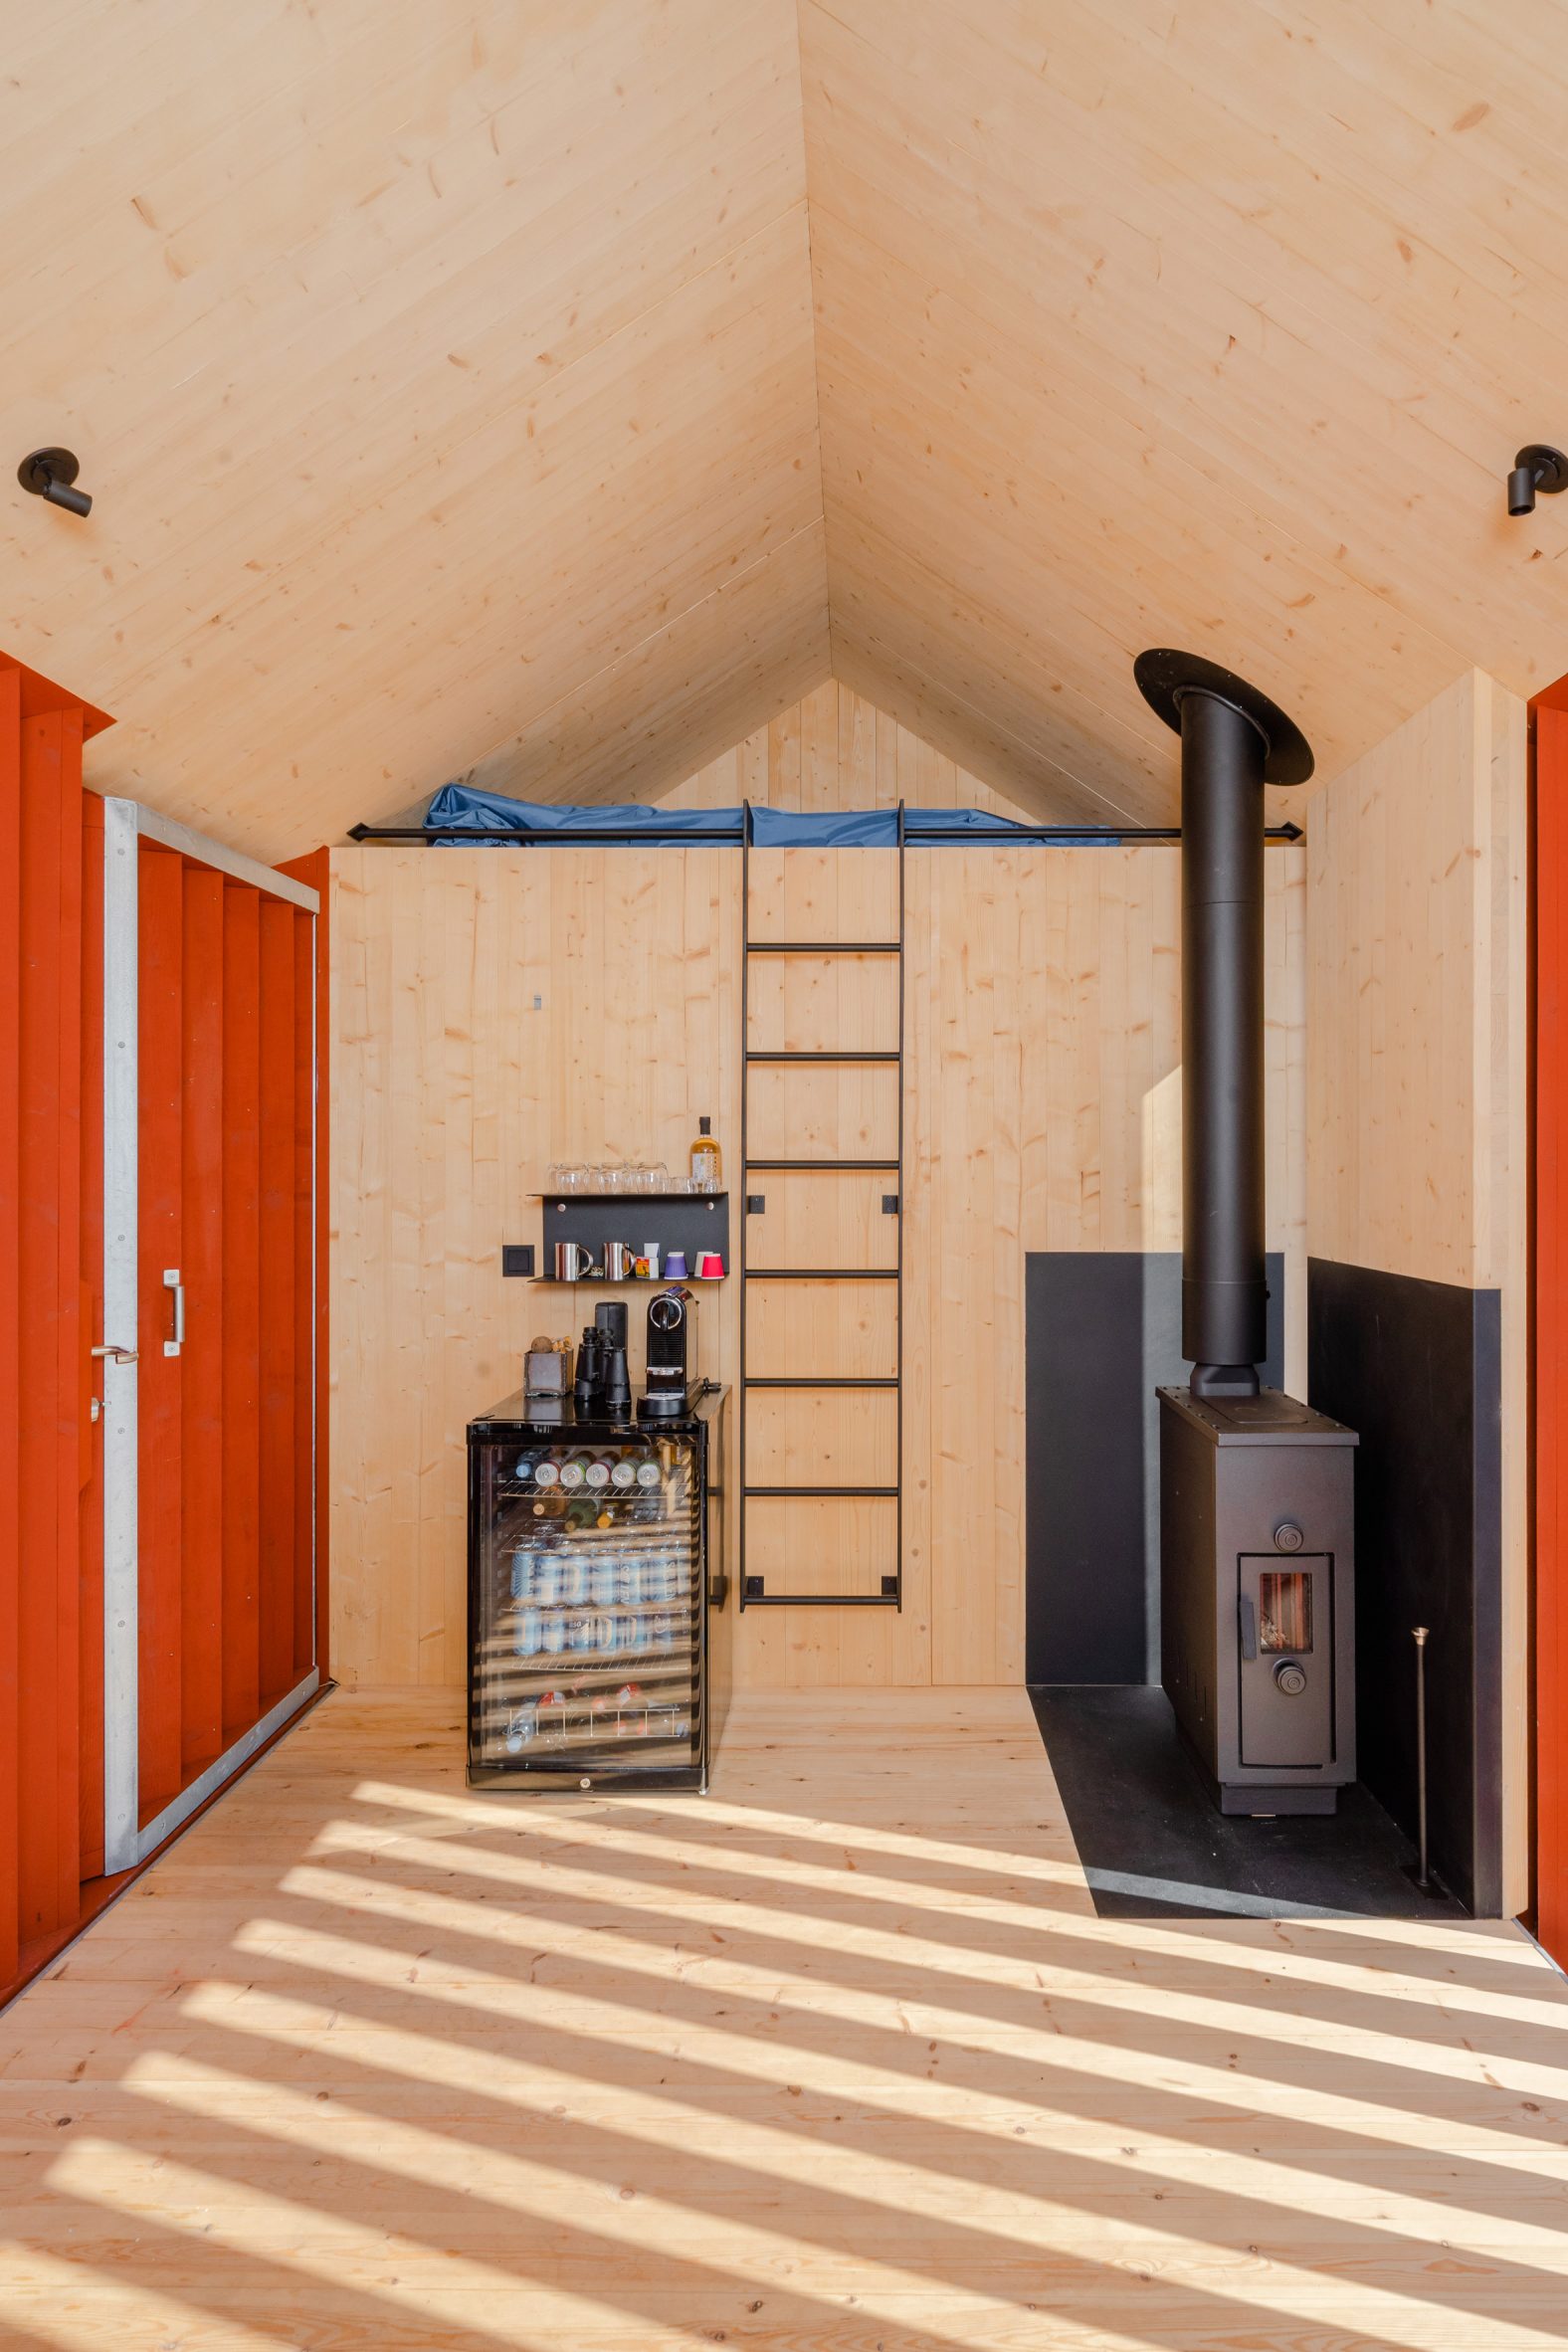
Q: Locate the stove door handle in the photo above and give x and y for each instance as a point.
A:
(1248, 1625)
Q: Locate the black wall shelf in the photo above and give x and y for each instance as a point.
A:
(694, 1223)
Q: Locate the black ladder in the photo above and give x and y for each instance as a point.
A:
(752, 1591)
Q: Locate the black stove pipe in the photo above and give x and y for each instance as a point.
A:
(1223, 1295)
(1232, 741)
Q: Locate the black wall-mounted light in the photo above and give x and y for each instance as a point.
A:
(1536, 468)
(48, 473)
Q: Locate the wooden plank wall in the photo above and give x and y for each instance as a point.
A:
(496, 1011)
(835, 750)
(1416, 1096)
(493, 1013)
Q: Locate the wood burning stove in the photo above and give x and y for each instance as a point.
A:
(1256, 1520)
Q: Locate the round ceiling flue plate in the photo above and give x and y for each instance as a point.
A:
(1164, 674)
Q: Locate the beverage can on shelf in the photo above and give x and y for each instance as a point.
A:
(623, 1471)
(522, 1573)
(527, 1636)
(648, 1472)
(554, 1632)
(603, 1580)
(546, 1470)
(574, 1577)
(547, 1578)
(629, 1583)
(597, 1472)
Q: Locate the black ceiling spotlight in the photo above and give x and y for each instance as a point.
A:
(48, 473)
(1536, 468)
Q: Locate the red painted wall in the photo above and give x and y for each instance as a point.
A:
(1550, 1226)
(50, 1227)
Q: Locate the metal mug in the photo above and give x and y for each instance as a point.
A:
(619, 1261)
(571, 1262)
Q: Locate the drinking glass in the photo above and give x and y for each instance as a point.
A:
(658, 1177)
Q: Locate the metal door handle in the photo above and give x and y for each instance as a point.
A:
(1248, 1623)
(171, 1281)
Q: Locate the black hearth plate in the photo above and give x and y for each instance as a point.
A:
(1152, 1845)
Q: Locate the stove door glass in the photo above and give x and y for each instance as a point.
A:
(1287, 1686)
(1284, 1609)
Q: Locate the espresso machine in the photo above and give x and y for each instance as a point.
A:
(671, 1353)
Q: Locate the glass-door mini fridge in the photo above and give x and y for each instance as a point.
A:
(598, 1604)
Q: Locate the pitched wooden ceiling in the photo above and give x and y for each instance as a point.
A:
(556, 392)
(443, 375)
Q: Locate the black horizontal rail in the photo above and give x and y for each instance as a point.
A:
(805, 1380)
(822, 1601)
(818, 1491)
(823, 1167)
(822, 948)
(577, 836)
(779, 1054)
(818, 1274)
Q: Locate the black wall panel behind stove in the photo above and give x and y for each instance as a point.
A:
(1103, 1331)
(1416, 1368)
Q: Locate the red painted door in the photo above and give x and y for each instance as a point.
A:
(158, 1318)
(211, 1431)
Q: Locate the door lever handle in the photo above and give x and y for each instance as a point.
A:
(171, 1281)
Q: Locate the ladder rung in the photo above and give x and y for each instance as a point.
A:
(823, 947)
(831, 1167)
(890, 1493)
(777, 1055)
(821, 1601)
(818, 1274)
(822, 1380)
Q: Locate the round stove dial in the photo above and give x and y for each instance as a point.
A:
(1290, 1677)
(1287, 1537)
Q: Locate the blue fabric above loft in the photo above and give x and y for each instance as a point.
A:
(491, 817)
(464, 809)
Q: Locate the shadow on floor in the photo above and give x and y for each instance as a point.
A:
(1153, 1845)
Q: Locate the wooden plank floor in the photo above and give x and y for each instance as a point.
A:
(839, 2057)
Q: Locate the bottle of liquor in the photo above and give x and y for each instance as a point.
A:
(707, 1167)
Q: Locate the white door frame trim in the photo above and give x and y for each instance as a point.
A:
(126, 1841)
